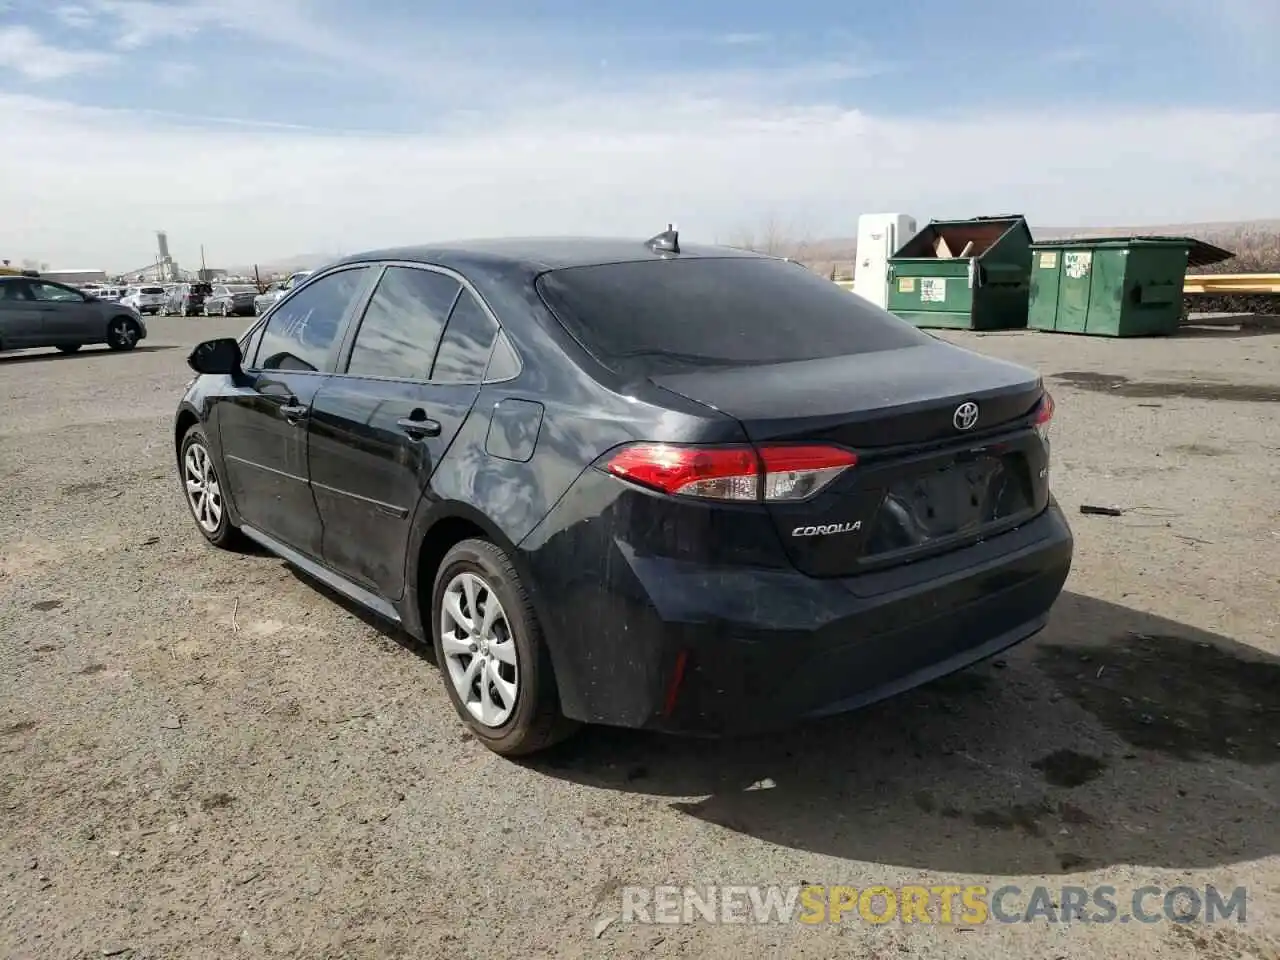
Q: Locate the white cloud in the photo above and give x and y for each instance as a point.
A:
(88, 186)
(175, 74)
(742, 39)
(25, 52)
(138, 23)
(292, 23)
(76, 16)
(1072, 55)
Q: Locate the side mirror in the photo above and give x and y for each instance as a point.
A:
(216, 356)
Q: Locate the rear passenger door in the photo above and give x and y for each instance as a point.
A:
(408, 376)
(19, 315)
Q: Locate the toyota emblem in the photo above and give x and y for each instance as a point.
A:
(966, 415)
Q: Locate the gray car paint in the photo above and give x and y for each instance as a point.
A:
(27, 321)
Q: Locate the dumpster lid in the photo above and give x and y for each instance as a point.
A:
(1199, 253)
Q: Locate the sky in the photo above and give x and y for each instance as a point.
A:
(265, 129)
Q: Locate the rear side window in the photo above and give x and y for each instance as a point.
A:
(468, 340)
(14, 290)
(660, 315)
(402, 324)
(300, 334)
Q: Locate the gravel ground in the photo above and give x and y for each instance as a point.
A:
(203, 755)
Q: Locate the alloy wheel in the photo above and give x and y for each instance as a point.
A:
(480, 653)
(204, 493)
(124, 333)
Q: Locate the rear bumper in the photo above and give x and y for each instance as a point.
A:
(685, 648)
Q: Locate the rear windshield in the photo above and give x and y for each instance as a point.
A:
(652, 316)
(153, 289)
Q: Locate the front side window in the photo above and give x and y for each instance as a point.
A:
(51, 292)
(467, 343)
(303, 329)
(249, 341)
(402, 324)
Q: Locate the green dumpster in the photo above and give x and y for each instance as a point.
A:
(1113, 286)
(964, 274)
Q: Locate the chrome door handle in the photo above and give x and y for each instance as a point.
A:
(293, 412)
(419, 428)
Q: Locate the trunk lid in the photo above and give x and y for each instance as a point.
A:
(926, 481)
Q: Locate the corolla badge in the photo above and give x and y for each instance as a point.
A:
(966, 415)
(822, 529)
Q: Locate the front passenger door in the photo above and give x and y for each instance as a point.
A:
(66, 317)
(263, 420)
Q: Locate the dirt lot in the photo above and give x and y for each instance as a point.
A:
(201, 755)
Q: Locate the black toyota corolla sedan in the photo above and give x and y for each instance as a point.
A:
(683, 488)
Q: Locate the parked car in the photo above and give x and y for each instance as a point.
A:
(145, 299)
(41, 313)
(187, 299)
(231, 300)
(264, 301)
(267, 298)
(112, 294)
(690, 489)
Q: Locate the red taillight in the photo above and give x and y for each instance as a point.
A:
(722, 473)
(1044, 415)
(732, 473)
(1044, 412)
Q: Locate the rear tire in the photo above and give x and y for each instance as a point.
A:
(123, 333)
(69, 347)
(484, 668)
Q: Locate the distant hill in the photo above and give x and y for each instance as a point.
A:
(1197, 230)
(287, 265)
(1256, 244)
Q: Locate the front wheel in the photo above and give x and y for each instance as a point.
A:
(123, 333)
(491, 654)
(204, 491)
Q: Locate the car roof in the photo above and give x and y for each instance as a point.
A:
(539, 254)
